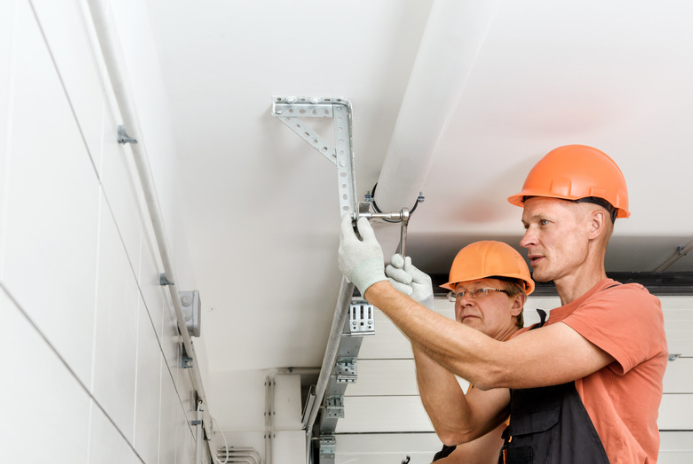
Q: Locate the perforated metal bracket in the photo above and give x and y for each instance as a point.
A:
(292, 110)
(345, 370)
(328, 447)
(361, 320)
(334, 406)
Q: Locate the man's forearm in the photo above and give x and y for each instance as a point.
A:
(442, 398)
(460, 349)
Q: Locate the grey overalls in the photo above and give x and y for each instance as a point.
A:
(550, 425)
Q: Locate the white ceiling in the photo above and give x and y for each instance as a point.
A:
(262, 206)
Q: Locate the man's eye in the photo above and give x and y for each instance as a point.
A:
(543, 222)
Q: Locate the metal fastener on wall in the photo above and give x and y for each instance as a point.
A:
(123, 136)
(345, 370)
(361, 320)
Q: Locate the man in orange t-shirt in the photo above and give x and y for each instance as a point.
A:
(586, 386)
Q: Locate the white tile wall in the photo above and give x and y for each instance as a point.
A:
(115, 346)
(152, 291)
(49, 257)
(167, 418)
(45, 409)
(120, 189)
(68, 40)
(91, 332)
(6, 19)
(148, 389)
(107, 445)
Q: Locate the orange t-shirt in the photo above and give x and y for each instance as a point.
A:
(623, 398)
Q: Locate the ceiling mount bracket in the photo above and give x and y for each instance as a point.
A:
(291, 110)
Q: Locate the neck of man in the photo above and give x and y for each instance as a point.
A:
(572, 286)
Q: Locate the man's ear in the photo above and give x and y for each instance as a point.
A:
(518, 304)
(597, 223)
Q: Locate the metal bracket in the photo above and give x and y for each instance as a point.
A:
(345, 370)
(187, 362)
(334, 406)
(290, 110)
(361, 320)
(123, 136)
(163, 280)
(328, 447)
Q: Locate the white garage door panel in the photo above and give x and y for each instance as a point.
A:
(387, 343)
(386, 448)
(384, 414)
(394, 377)
(391, 377)
(678, 377)
(675, 412)
(675, 448)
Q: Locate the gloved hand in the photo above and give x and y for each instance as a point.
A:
(401, 269)
(398, 277)
(361, 261)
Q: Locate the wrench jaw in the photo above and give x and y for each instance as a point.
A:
(401, 217)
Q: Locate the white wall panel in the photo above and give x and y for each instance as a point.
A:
(171, 343)
(120, 188)
(386, 448)
(40, 397)
(375, 377)
(151, 289)
(675, 412)
(384, 414)
(115, 348)
(676, 447)
(6, 19)
(287, 402)
(167, 420)
(107, 445)
(678, 323)
(131, 20)
(239, 412)
(51, 215)
(70, 252)
(678, 377)
(182, 435)
(387, 343)
(148, 393)
(67, 37)
(289, 447)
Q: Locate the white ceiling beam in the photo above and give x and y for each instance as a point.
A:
(454, 34)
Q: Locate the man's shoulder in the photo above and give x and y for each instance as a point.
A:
(612, 290)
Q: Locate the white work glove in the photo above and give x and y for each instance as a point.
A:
(403, 274)
(361, 261)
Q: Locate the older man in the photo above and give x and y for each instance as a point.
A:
(490, 282)
(586, 386)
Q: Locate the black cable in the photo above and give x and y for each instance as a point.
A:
(377, 210)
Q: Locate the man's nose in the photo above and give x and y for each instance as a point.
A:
(528, 238)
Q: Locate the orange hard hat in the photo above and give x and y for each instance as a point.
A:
(577, 172)
(489, 258)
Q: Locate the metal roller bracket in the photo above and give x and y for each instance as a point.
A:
(291, 110)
